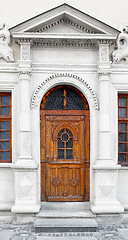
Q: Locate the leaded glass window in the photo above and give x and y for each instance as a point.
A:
(64, 98)
(65, 144)
(55, 100)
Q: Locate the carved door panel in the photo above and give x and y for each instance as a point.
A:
(65, 157)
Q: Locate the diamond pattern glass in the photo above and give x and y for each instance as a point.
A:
(64, 98)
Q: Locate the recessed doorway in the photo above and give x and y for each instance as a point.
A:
(65, 145)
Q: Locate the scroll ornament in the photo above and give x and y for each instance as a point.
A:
(122, 47)
(6, 52)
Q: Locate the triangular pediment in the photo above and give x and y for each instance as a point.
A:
(64, 19)
(62, 26)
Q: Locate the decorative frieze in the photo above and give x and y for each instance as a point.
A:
(63, 42)
(6, 52)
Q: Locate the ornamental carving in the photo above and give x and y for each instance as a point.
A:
(74, 182)
(106, 187)
(6, 52)
(89, 91)
(106, 190)
(104, 53)
(25, 185)
(63, 42)
(25, 51)
(121, 53)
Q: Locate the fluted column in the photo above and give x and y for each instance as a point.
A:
(25, 168)
(105, 170)
(24, 128)
(104, 72)
(24, 97)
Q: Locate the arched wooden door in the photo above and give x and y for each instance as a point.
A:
(65, 147)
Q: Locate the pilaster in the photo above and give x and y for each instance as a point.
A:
(25, 168)
(105, 169)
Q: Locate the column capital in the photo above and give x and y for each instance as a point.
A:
(24, 67)
(104, 72)
(24, 71)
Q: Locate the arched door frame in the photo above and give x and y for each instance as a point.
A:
(88, 93)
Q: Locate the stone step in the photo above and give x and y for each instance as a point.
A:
(65, 210)
(65, 214)
(49, 225)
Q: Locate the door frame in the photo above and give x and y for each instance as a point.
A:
(85, 113)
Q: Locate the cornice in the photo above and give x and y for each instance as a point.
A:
(8, 67)
(119, 68)
(64, 39)
(85, 68)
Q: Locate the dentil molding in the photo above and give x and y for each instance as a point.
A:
(40, 87)
(67, 21)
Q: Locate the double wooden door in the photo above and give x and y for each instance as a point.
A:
(65, 155)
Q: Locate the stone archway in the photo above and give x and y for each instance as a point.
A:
(64, 78)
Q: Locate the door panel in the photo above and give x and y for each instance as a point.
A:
(65, 156)
(64, 182)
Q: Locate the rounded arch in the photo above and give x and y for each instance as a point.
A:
(60, 79)
(60, 127)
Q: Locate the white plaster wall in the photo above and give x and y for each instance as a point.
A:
(123, 187)
(64, 55)
(119, 80)
(6, 188)
(8, 82)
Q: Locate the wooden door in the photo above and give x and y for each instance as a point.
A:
(65, 155)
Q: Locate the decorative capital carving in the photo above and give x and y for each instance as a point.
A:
(121, 53)
(25, 67)
(25, 49)
(25, 52)
(25, 71)
(6, 52)
(104, 52)
(104, 72)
